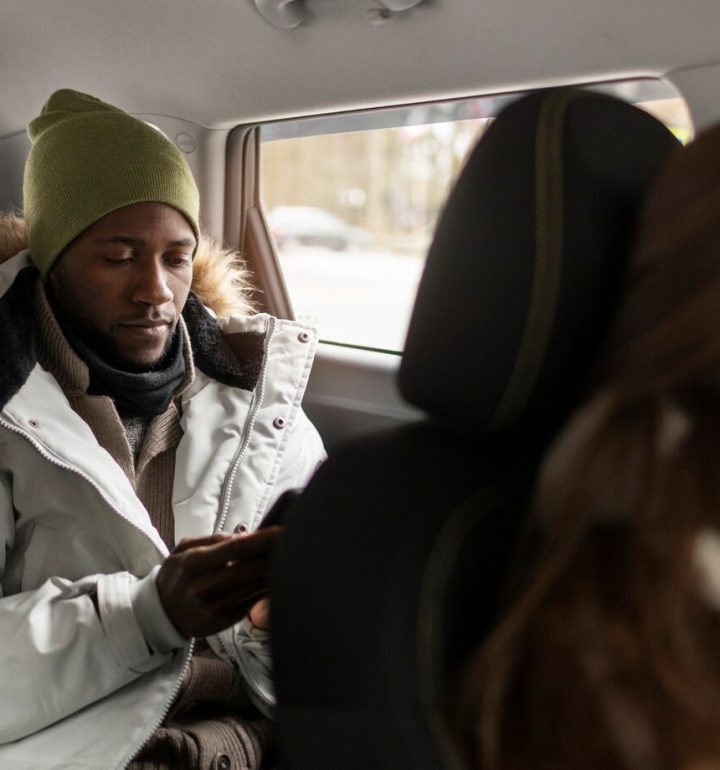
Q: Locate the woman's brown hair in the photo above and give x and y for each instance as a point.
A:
(610, 655)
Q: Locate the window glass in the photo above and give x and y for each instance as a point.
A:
(352, 201)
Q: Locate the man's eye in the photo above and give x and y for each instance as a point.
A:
(180, 260)
(118, 260)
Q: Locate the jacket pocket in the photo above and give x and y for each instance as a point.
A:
(36, 554)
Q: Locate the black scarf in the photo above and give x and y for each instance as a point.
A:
(136, 394)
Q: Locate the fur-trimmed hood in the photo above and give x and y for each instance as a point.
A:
(220, 279)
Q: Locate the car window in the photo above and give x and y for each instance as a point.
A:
(352, 200)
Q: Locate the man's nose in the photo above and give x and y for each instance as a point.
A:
(151, 286)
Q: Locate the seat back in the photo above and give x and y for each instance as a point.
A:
(391, 570)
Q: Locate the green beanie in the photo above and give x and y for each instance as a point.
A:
(89, 158)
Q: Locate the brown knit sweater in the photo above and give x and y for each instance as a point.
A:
(212, 724)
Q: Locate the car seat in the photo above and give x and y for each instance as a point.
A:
(392, 567)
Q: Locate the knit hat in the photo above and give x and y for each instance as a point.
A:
(89, 158)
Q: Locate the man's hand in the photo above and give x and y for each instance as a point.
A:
(260, 614)
(207, 584)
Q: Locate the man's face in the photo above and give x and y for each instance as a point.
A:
(124, 281)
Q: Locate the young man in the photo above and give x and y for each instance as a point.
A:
(141, 440)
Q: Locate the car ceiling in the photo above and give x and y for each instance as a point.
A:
(219, 63)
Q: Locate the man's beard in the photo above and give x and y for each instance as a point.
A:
(105, 346)
(102, 343)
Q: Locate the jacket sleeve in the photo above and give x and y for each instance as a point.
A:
(65, 644)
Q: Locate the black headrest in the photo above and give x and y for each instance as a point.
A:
(525, 263)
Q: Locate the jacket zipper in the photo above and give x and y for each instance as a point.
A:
(242, 450)
(165, 710)
(186, 664)
(240, 454)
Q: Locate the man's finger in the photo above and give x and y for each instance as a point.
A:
(232, 548)
(260, 614)
(195, 542)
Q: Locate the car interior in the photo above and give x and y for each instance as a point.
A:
(447, 191)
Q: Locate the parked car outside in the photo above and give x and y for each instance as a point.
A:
(312, 226)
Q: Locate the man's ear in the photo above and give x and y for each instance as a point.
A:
(52, 273)
(53, 279)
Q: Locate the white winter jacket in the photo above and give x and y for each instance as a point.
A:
(80, 688)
